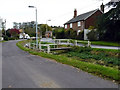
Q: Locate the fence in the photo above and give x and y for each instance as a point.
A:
(33, 46)
(56, 43)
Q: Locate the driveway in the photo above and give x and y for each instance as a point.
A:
(23, 70)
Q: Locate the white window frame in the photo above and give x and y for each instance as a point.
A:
(79, 24)
(65, 26)
(70, 25)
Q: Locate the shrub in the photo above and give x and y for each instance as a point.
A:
(92, 35)
(59, 33)
(13, 38)
(81, 49)
(80, 36)
(6, 38)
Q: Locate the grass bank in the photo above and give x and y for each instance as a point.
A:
(99, 70)
(103, 43)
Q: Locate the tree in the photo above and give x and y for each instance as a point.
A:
(59, 33)
(108, 25)
(30, 31)
(43, 28)
(92, 35)
(14, 33)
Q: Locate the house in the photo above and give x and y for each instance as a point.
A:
(23, 35)
(83, 21)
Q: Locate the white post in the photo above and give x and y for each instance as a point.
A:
(67, 41)
(75, 42)
(29, 46)
(89, 44)
(40, 46)
(59, 42)
(48, 49)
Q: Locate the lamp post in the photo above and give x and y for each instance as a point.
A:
(46, 24)
(36, 25)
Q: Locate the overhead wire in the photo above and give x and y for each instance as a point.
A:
(83, 8)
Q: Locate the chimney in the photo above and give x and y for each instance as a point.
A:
(102, 8)
(75, 13)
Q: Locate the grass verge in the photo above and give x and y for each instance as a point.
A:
(2, 41)
(103, 43)
(102, 71)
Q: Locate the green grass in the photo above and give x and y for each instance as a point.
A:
(108, 58)
(103, 43)
(2, 41)
(114, 61)
(105, 72)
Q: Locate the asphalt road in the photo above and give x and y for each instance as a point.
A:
(22, 70)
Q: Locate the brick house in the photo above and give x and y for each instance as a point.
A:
(83, 21)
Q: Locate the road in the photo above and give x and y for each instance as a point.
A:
(22, 70)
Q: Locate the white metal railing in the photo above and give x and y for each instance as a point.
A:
(56, 43)
(33, 46)
(75, 42)
(59, 41)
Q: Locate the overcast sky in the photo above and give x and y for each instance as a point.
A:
(59, 11)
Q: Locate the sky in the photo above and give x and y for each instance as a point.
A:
(58, 11)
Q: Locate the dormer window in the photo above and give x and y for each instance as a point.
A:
(71, 25)
(79, 23)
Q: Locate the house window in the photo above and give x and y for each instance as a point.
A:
(79, 23)
(65, 26)
(71, 25)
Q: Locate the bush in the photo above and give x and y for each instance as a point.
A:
(6, 38)
(59, 33)
(81, 49)
(80, 36)
(93, 35)
(13, 38)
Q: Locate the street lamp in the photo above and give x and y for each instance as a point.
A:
(36, 25)
(46, 24)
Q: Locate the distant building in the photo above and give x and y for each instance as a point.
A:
(24, 36)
